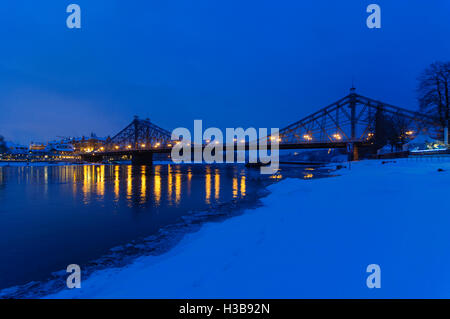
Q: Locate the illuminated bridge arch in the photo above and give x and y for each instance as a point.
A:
(139, 135)
(356, 118)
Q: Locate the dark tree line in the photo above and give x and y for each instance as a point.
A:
(434, 100)
(2, 145)
(390, 130)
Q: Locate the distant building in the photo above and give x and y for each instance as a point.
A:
(60, 147)
(423, 142)
(86, 144)
(13, 148)
(37, 148)
(64, 149)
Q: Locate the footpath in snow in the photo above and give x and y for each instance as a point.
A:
(312, 239)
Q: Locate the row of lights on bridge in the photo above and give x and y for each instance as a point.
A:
(306, 137)
(143, 146)
(129, 147)
(338, 137)
(309, 138)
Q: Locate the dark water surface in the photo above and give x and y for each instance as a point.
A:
(53, 216)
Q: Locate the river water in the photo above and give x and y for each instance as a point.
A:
(53, 216)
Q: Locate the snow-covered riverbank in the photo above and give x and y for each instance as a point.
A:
(312, 239)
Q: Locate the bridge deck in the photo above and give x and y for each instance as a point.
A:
(282, 146)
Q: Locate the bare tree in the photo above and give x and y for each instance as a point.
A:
(434, 95)
(2, 145)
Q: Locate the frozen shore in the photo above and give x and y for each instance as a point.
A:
(312, 239)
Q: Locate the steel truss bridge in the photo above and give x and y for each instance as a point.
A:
(354, 122)
(138, 135)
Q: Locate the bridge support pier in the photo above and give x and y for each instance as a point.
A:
(355, 153)
(141, 158)
(91, 158)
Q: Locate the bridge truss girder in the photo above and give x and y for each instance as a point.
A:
(354, 119)
(139, 134)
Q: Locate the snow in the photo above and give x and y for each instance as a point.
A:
(311, 239)
(422, 139)
(422, 142)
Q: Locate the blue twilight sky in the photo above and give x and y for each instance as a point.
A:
(231, 63)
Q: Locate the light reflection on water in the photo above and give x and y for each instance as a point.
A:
(52, 216)
(157, 185)
(138, 180)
